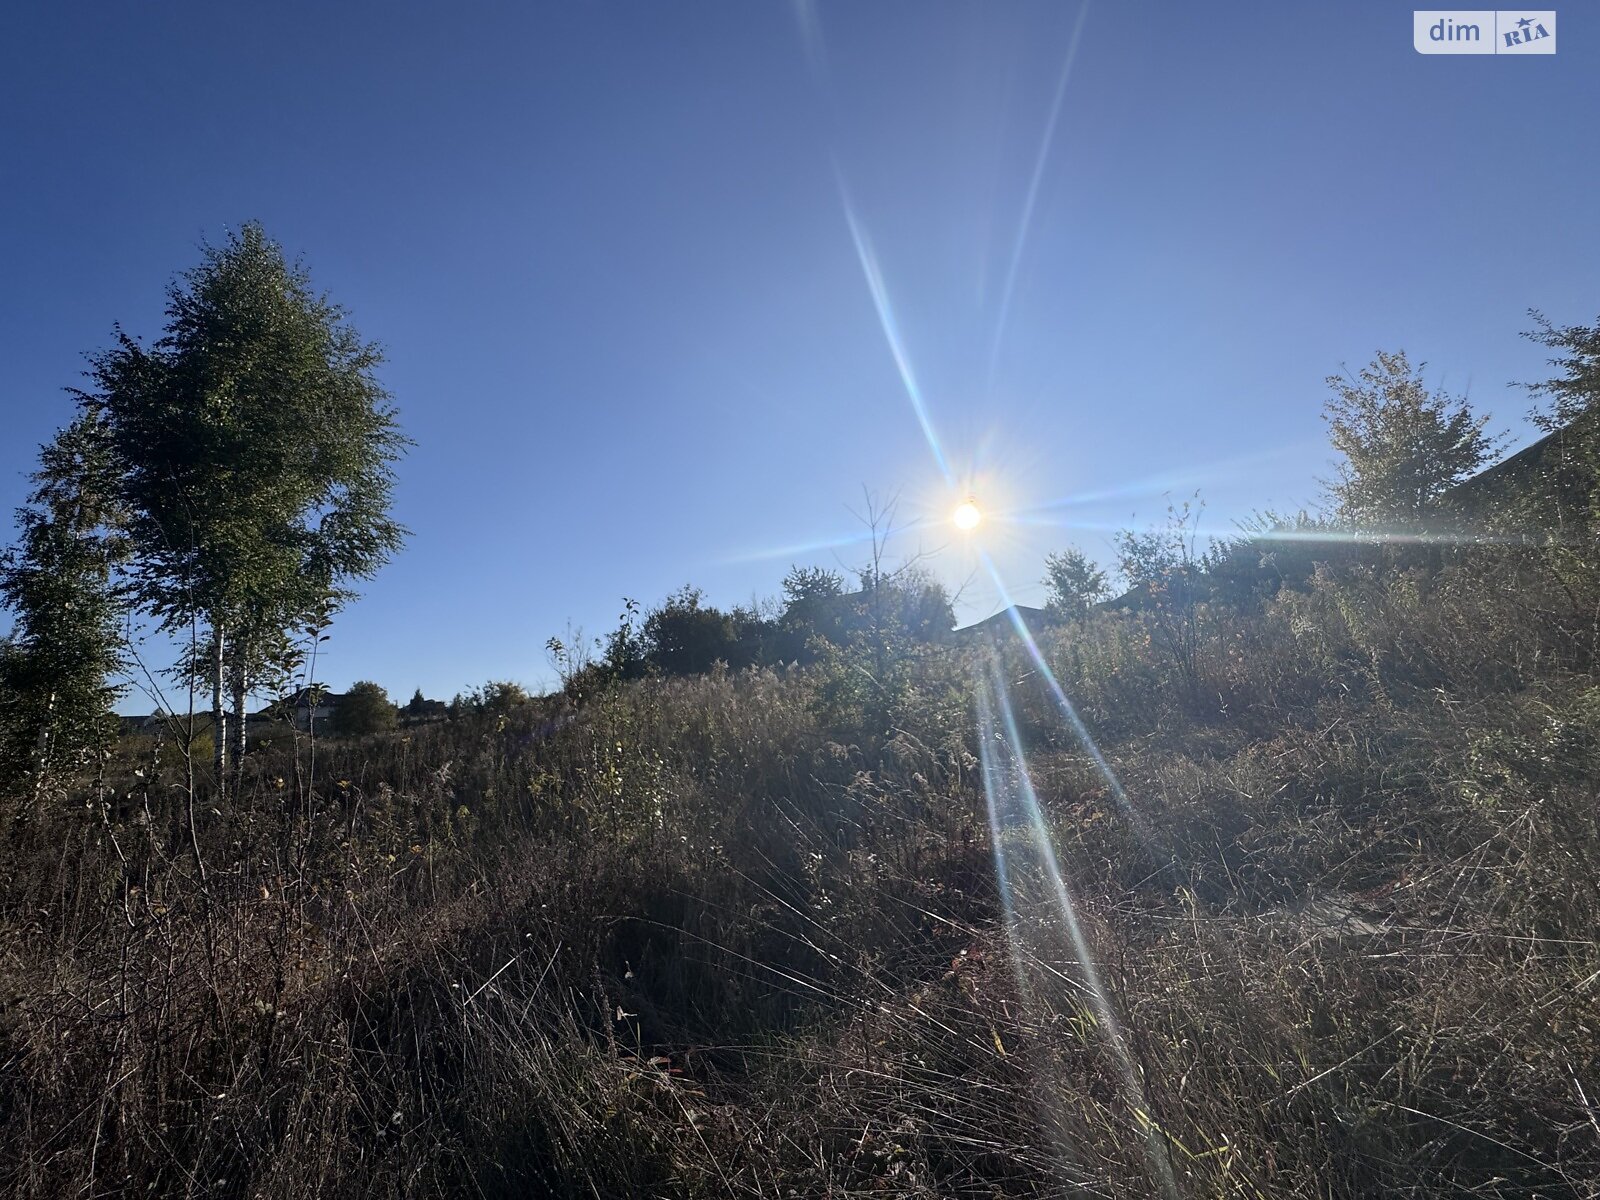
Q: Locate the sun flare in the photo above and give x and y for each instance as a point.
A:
(967, 515)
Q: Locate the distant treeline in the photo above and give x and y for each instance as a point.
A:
(816, 615)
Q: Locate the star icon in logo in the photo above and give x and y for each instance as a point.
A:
(1525, 22)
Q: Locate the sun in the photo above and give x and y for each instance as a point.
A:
(967, 515)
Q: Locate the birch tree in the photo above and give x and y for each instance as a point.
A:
(253, 448)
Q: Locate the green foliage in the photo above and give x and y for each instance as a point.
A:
(56, 694)
(253, 442)
(911, 604)
(1574, 394)
(804, 586)
(1167, 570)
(875, 673)
(242, 464)
(496, 696)
(1074, 583)
(364, 709)
(624, 649)
(815, 614)
(685, 636)
(1562, 498)
(1401, 447)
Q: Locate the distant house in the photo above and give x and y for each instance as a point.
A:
(1555, 470)
(142, 724)
(1002, 626)
(307, 707)
(421, 710)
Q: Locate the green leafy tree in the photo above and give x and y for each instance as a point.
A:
(805, 586)
(1401, 447)
(56, 693)
(891, 622)
(1573, 395)
(1566, 493)
(813, 612)
(496, 696)
(919, 606)
(252, 451)
(1075, 584)
(685, 636)
(363, 710)
(895, 603)
(623, 649)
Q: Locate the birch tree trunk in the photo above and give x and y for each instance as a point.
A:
(240, 689)
(42, 749)
(219, 714)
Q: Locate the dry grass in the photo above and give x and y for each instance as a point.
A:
(716, 937)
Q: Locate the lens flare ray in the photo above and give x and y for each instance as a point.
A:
(1158, 485)
(1018, 827)
(891, 330)
(802, 549)
(1025, 224)
(1065, 706)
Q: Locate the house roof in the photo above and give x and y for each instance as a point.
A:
(1002, 623)
(131, 723)
(304, 698)
(300, 701)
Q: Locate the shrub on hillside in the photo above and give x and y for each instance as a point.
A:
(364, 709)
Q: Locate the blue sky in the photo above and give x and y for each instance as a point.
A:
(607, 248)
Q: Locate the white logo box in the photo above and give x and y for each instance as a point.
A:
(1484, 31)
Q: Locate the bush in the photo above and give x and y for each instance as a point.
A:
(364, 710)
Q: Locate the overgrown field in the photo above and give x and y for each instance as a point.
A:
(1335, 898)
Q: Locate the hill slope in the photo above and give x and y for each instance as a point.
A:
(1320, 923)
